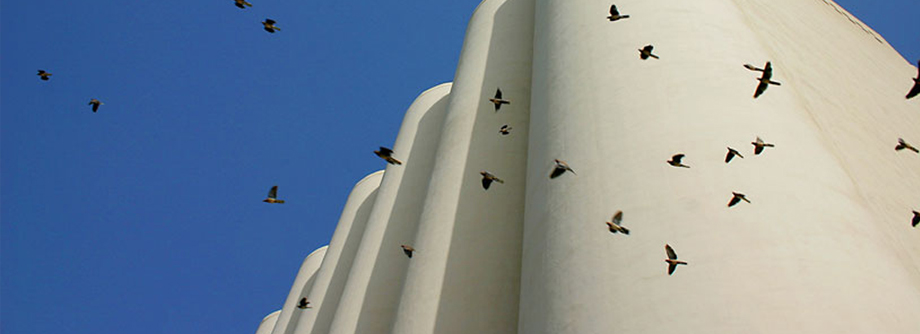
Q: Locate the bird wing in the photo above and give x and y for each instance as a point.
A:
(498, 94)
(752, 67)
(758, 149)
(677, 158)
(648, 48)
(556, 172)
(486, 182)
(613, 10)
(385, 151)
(273, 192)
(733, 201)
(729, 156)
(671, 267)
(914, 90)
(269, 21)
(760, 89)
(916, 220)
(671, 254)
(618, 217)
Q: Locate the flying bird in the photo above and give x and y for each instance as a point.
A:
(916, 221)
(303, 303)
(408, 250)
(505, 130)
(487, 179)
(43, 75)
(387, 154)
(559, 168)
(646, 52)
(764, 78)
(731, 154)
(903, 144)
(614, 224)
(273, 196)
(759, 145)
(615, 15)
(913, 90)
(242, 4)
(737, 197)
(675, 161)
(672, 259)
(95, 103)
(269, 25)
(497, 100)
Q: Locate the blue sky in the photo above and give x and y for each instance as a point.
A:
(146, 217)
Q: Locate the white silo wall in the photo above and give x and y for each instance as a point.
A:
(330, 279)
(268, 323)
(812, 254)
(368, 303)
(465, 275)
(290, 314)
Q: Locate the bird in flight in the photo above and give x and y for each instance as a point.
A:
(487, 179)
(242, 4)
(731, 154)
(559, 168)
(646, 52)
(44, 75)
(387, 154)
(408, 250)
(273, 196)
(615, 15)
(269, 25)
(95, 103)
(497, 100)
(672, 259)
(914, 91)
(737, 197)
(903, 144)
(764, 78)
(303, 303)
(759, 145)
(675, 161)
(614, 224)
(505, 130)
(916, 221)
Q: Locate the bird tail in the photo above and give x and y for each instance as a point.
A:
(653, 56)
(775, 83)
(499, 180)
(279, 201)
(394, 161)
(624, 230)
(624, 16)
(681, 262)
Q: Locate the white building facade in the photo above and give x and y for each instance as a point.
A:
(825, 246)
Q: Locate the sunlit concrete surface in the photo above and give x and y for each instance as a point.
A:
(290, 314)
(268, 323)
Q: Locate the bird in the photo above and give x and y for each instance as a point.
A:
(387, 154)
(615, 15)
(737, 197)
(614, 224)
(303, 303)
(95, 103)
(487, 179)
(764, 78)
(916, 221)
(672, 259)
(675, 161)
(759, 145)
(560, 168)
(242, 4)
(43, 75)
(903, 144)
(269, 25)
(646, 52)
(273, 196)
(497, 100)
(408, 250)
(731, 154)
(505, 130)
(914, 91)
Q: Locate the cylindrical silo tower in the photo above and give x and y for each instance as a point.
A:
(290, 314)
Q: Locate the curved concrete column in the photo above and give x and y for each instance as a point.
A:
(801, 258)
(368, 303)
(302, 284)
(330, 279)
(465, 276)
(268, 323)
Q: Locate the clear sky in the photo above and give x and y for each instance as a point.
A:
(146, 217)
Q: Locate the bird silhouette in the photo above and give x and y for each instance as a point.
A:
(242, 3)
(916, 221)
(487, 179)
(915, 90)
(759, 144)
(675, 161)
(737, 197)
(95, 103)
(614, 224)
(764, 77)
(43, 75)
(731, 154)
(269, 26)
(615, 15)
(505, 130)
(559, 168)
(497, 100)
(303, 303)
(408, 250)
(273, 196)
(646, 52)
(903, 144)
(387, 154)
(672, 259)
